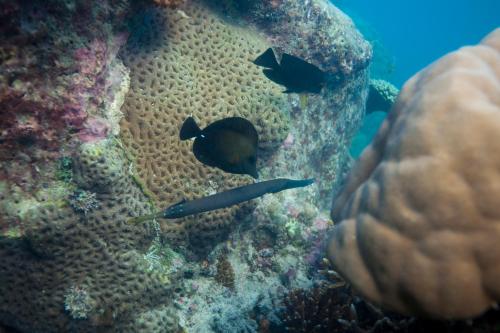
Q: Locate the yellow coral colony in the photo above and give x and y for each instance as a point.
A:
(199, 66)
(420, 229)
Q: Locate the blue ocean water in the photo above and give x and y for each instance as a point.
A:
(415, 33)
(408, 35)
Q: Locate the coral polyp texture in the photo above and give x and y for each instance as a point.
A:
(319, 309)
(195, 64)
(83, 272)
(419, 220)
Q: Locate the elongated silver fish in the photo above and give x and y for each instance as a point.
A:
(225, 199)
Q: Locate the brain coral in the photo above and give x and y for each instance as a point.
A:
(193, 63)
(75, 272)
(419, 217)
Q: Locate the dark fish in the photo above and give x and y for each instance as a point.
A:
(225, 199)
(297, 75)
(229, 144)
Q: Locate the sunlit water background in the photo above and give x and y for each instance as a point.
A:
(408, 35)
(414, 33)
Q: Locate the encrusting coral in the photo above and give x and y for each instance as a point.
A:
(84, 272)
(381, 96)
(201, 66)
(418, 218)
(316, 310)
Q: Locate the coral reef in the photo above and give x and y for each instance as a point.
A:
(321, 125)
(70, 261)
(317, 310)
(161, 320)
(314, 30)
(78, 302)
(265, 262)
(60, 84)
(169, 3)
(310, 309)
(83, 272)
(199, 66)
(383, 64)
(55, 71)
(419, 215)
(381, 96)
(225, 272)
(83, 201)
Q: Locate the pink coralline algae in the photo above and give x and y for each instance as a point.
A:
(321, 223)
(26, 123)
(288, 143)
(74, 116)
(90, 58)
(94, 129)
(293, 211)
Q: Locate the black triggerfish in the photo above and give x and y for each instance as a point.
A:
(297, 75)
(229, 144)
(225, 199)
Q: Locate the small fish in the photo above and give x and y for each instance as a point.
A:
(297, 75)
(229, 144)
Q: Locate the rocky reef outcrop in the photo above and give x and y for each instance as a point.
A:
(75, 165)
(321, 126)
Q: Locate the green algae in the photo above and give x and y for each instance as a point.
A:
(64, 171)
(293, 228)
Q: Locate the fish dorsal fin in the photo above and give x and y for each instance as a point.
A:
(189, 129)
(267, 59)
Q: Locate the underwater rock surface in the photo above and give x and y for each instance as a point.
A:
(68, 184)
(69, 260)
(321, 126)
(419, 219)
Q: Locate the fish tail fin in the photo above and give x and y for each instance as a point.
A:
(189, 129)
(267, 59)
(143, 218)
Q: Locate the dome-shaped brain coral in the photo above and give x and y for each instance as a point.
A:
(419, 217)
(75, 272)
(184, 63)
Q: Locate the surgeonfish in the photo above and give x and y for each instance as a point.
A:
(229, 144)
(297, 75)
